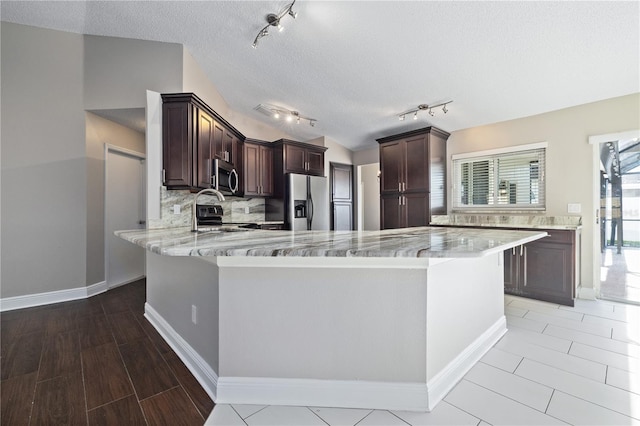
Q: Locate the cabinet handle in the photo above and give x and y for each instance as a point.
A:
(399, 186)
(164, 176)
(521, 249)
(513, 251)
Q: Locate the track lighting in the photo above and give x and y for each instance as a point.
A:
(289, 115)
(274, 20)
(424, 107)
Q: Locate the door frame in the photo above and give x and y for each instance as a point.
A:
(595, 141)
(131, 153)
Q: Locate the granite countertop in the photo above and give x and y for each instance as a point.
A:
(421, 242)
(505, 221)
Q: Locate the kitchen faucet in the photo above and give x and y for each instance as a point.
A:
(194, 220)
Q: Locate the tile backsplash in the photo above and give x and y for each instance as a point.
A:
(235, 209)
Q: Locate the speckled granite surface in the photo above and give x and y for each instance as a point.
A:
(505, 221)
(422, 242)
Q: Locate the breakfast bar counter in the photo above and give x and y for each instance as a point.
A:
(386, 319)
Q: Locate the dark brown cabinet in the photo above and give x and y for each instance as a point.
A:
(178, 144)
(298, 157)
(404, 210)
(547, 269)
(258, 168)
(295, 157)
(193, 136)
(412, 179)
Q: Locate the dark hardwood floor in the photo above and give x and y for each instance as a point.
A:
(96, 361)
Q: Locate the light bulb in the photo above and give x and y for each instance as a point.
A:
(415, 116)
(401, 118)
(289, 118)
(431, 113)
(276, 115)
(298, 120)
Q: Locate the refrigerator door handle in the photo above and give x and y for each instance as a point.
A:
(310, 213)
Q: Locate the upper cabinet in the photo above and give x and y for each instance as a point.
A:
(258, 168)
(297, 157)
(193, 136)
(412, 178)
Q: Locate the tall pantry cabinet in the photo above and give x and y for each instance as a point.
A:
(412, 177)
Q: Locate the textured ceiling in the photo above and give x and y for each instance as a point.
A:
(355, 65)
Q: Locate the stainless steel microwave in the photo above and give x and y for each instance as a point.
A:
(225, 177)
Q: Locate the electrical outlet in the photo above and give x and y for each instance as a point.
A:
(246, 210)
(176, 209)
(574, 208)
(194, 314)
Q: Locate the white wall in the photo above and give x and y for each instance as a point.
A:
(43, 161)
(196, 81)
(369, 190)
(569, 167)
(100, 131)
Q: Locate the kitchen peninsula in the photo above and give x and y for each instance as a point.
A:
(386, 319)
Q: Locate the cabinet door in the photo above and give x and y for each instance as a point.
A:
(218, 141)
(315, 163)
(177, 144)
(416, 164)
(266, 171)
(416, 209)
(227, 147)
(548, 270)
(390, 212)
(511, 270)
(391, 167)
(295, 159)
(205, 146)
(251, 169)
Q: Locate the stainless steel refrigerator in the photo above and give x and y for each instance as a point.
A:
(306, 202)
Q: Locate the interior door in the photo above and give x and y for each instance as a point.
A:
(124, 209)
(341, 196)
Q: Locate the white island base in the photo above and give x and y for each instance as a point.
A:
(385, 333)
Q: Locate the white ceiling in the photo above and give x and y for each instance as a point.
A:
(355, 65)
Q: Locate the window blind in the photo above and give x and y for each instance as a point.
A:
(500, 181)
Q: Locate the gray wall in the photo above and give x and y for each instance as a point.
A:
(119, 71)
(43, 161)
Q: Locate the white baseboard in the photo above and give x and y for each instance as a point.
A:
(408, 396)
(201, 370)
(448, 377)
(586, 293)
(322, 393)
(39, 299)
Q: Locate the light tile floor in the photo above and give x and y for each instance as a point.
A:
(555, 365)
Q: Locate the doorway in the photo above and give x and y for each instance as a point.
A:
(124, 209)
(618, 210)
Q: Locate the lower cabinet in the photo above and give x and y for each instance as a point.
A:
(403, 210)
(547, 269)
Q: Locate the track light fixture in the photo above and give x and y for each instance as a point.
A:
(273, 20)
(276, 112)
(425, 107)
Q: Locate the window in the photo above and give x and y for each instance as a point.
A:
(500, 180)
